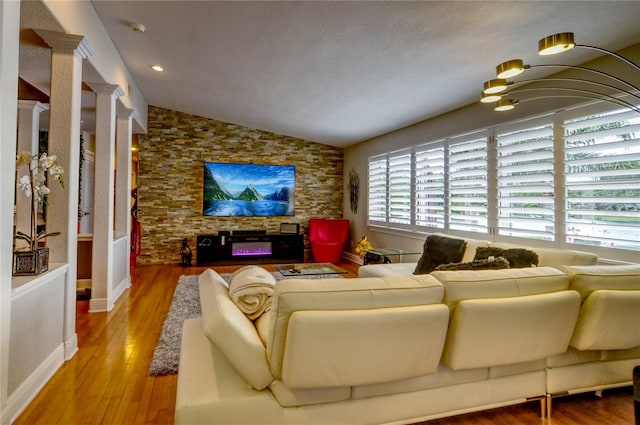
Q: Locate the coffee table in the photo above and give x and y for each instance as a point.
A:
(307, 269)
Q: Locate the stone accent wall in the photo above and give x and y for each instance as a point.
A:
(170, 179)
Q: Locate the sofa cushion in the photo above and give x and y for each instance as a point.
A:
(387, 270)
(586, 279)
(232, 332)
(353, 347)
(334, 295)
(609, 320)
(465, 284)
(502, 331)
(440, 249)
(496, 263)
(517, 257)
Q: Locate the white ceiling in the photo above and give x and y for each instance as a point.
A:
(343, 72)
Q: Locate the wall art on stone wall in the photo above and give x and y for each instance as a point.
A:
(354, 190)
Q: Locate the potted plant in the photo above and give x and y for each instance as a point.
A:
(34, 259)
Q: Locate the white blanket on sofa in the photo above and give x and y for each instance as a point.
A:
(251, 288)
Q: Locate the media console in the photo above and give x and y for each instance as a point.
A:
(248, 247)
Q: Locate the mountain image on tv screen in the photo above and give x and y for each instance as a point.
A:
(248, 190)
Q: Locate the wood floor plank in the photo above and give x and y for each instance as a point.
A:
(107, 381)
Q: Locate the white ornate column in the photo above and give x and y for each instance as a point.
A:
(102, 284)
(28, 137)
(9, 46)
(124, 129)
(67, 53)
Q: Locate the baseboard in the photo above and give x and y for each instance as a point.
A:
(20, 399)
(71, 347)
(98, 305)
(120, 288)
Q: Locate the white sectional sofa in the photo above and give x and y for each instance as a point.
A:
(407, 348)
(547, 257)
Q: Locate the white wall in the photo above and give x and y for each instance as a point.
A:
(9, 44)
(464, 120)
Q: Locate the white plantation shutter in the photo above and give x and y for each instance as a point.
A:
(430, 186)
(400, 187)
(526, 183)
(602, 154)
(467, 168)
(377, 207)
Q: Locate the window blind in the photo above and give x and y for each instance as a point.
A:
(377, 208)
(526, 183)
(467, 168)
(430, 185)
(602, 159)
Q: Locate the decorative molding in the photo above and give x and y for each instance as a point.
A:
(113, 89)
(33, 105)
(67, 42)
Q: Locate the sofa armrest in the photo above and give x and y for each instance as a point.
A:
(232, 332)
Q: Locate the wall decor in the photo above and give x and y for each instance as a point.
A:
(354, 189)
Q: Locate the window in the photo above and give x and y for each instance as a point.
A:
(467, 170)
(566, 178)
(526, 183)
(390, 184)
(602, 160)
(400, 194)
(378, 189)
(430, 184)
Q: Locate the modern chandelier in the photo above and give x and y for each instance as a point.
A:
(606, 86)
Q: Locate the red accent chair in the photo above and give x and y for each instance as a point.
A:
(327, 238)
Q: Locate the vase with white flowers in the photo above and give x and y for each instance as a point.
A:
(34, 259)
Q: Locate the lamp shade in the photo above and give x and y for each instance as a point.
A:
(490, 98)
(497, 85)
(556, 43)
(504, 105)
(510, 68)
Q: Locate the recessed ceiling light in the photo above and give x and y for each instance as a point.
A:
(157, 68)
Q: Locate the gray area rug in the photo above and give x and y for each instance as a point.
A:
(186, 305)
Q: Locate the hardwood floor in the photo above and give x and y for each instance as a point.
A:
(107, 381)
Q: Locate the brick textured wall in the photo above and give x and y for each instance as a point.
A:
(170, 179)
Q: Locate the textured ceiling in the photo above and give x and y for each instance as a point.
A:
(343, 72)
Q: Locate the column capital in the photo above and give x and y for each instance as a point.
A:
(112, 89)
(33, 105)
(125, 113)
(70, 42)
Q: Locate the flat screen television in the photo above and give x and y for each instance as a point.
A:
(248, 190)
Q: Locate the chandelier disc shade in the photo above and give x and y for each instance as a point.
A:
(556, 43)
(510, 68)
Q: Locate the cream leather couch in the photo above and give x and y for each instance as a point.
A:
(398, 349)
(547, 257)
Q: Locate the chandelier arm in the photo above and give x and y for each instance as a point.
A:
(609, 52)
(584, 93)
(575, 80)
(595, 71)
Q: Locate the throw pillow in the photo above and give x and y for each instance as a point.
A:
(438, 250)
(518, 258)
(495, 263)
